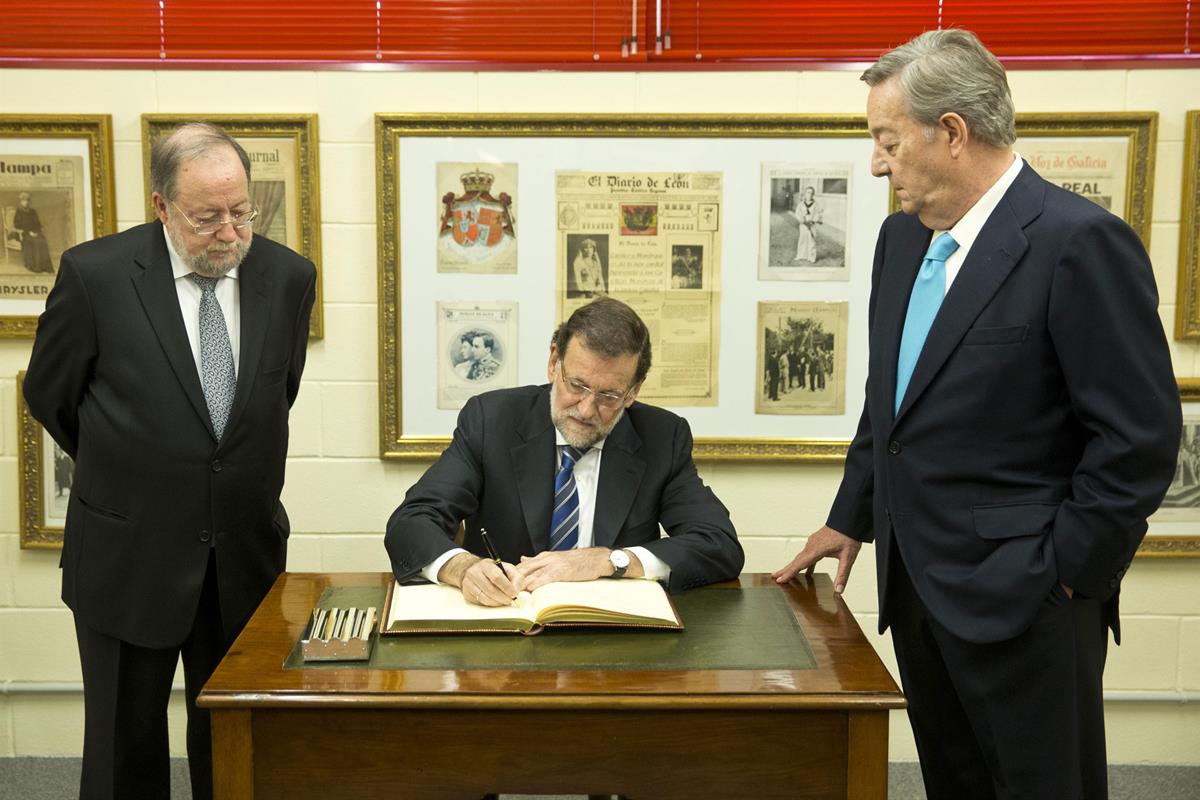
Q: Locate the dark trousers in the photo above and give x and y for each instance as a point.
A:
(1022, 718)
(125, 694)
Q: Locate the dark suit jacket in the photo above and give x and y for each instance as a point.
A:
(498, 472)
(1041, 425)
(113, 380)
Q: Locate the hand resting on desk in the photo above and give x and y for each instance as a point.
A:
(583, 564)
(483, 582)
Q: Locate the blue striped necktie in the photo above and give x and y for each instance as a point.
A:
(564, 523)
(923, 304)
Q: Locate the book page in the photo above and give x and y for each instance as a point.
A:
(442, 603)
(628, 598)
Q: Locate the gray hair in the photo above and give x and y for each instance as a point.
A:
(186, 143)
(950, 71)
(610, 328)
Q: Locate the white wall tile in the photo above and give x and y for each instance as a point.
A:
(39, 645)
(348, 265)
(1170, 92)
(1189, 654)
(717, 92)
(349, 100)
(1128, 667)
(1069, 90)
(350, 420)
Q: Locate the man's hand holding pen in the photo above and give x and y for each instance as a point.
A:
(484, 581)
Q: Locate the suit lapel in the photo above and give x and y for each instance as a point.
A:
(155, 286)
(533, 464)
(621, 470)
(996, 250)
(254, 295)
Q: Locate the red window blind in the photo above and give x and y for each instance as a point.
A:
(577, 32)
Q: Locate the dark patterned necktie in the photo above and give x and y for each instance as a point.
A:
(216, 355)
(564, 523)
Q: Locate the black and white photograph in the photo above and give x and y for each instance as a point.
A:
(805, 222)
(587, 265)
(1182, 503)
(473, 349)
(801, 358)
(687, 266)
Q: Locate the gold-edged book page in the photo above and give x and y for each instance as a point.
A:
(435, 608)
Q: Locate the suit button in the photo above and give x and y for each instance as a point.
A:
(894, 447)
(216, 465)
(204, 537)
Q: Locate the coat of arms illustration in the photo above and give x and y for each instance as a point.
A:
(475, 218)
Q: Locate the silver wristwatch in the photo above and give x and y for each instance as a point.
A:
(620, 562)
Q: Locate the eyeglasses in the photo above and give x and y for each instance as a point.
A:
(211, 226)
(609, 401)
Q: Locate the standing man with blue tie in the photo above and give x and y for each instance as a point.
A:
(1021, 423)
(165, 364)
(571, 480)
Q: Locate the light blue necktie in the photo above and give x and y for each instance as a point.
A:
(923, 305)
(564, 522)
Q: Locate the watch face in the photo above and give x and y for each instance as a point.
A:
(619, 558)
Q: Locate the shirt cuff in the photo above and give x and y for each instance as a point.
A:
(656, 569)
(430, 572)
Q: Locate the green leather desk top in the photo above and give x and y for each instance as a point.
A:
(747, 628)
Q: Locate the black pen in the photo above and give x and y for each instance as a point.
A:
(487, 542)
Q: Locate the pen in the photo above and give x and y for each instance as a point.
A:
(487, 542)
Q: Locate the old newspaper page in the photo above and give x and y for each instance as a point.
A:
(476, 349)
(653, 241)
(1096, 168)
(41, 215)
(801, 358)
(274, 189)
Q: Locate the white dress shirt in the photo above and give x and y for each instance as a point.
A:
(189, 294)
(587, 476)
(967, 229)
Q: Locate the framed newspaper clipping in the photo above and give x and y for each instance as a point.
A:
(285, 182)
(45, 474)
(56, 190)
(727, 234)
(1187, 301)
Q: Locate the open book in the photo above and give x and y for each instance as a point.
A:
(435, 608)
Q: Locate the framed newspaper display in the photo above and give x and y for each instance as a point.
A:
(1175, 527)
(45, 474)
(1187, 301)
(56, 190)
(487, 219)
(285, 182)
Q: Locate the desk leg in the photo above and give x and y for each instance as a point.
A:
(867, 756)
(233, 755)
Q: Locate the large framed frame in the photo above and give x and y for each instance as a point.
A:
(56, 191)
(45, 474)
(409, 148)
(286, 179)
(1187, 300)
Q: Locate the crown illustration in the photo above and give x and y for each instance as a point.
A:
(477, 180)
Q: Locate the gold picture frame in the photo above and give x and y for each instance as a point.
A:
(390, 129)
(74, 170)
(1187, 291)
(1139, 129)
(38, 529)
(272, 140)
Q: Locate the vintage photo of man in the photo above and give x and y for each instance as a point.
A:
(805, 222)
(473, 351)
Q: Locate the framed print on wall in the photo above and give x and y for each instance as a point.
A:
(45, 476)
(56, 190)
(285, 179)
(665, 212)
(1187, 300)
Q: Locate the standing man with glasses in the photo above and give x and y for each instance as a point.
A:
(1021, 422)
(571, 480)
(165, 364)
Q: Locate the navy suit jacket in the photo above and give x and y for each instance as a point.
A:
(498, 472)
(114, 381)
(1041, 425)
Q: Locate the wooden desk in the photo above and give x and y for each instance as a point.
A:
(373, 733)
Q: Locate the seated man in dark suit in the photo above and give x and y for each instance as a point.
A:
(571, 480)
